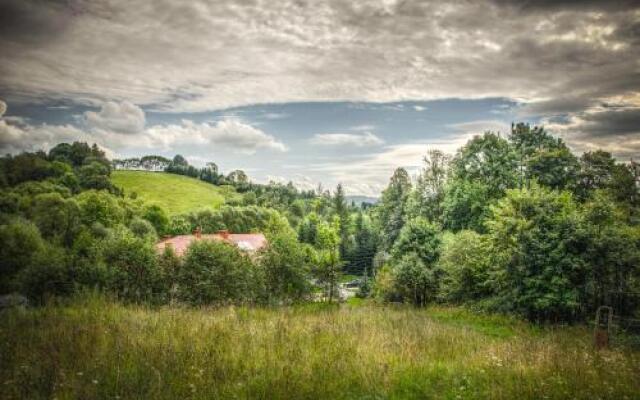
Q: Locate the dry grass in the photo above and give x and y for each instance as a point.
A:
(94, 349)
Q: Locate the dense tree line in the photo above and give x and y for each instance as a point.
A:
(516, 224)
(64, 227)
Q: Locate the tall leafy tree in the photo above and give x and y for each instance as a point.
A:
(543, 157)
(342, 212)
(427, 196)
(392, 207)
(538, 269)
(490, 160)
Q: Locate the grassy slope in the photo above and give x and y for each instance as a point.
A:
(96, 349)
(176, 194)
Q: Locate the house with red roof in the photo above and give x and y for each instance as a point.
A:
(249, 242)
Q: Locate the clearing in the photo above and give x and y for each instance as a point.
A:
(177, 194)
(96, 349)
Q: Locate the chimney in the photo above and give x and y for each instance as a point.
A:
(224, 234)
(198, 232)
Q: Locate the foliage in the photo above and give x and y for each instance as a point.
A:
(489, 160)
(158, 218)
(392, 207)
(20, 242)
(215, 273)
(464, 264)
(426, 198)
(284, 263)
(57, 218)
(134, 268)
(100, 207)
(414, 280)
(327, 270)
(612, 249)
(536, 253)
(465, 206)
(46, 275)
(142, 228)
(420, 237)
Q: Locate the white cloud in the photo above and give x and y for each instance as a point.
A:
(123, 117)
(3, 108)
(363, 128)
(419, 108)
(346, 139)
(17, 138)
(300, 181)
(203, 138)
(230, 134)
(481, 126)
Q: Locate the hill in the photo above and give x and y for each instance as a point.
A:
(361, 199)
(175, 193)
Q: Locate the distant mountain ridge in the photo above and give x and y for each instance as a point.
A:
(361, 199)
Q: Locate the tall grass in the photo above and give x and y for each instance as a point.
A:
(96, 349)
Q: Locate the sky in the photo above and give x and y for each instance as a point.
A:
(317, 91)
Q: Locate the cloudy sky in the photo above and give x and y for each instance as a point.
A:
(315, 90)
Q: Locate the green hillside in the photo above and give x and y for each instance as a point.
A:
(175, 193)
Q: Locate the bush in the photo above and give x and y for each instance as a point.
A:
(414, 280)
(46, 275)
(284, 266)
(133, 265)
(100, 207)
(464, 264)
(418, 236)
(215, 273)
(56, 217)
(20, 241)
(179, 225)
(170, 265)
(538, 270)
(158, 218)
(142, 228)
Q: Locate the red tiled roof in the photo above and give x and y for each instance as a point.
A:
(245, 241)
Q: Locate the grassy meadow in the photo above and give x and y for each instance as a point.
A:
(177, 194)
(92, 348)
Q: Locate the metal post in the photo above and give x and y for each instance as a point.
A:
(602, 327)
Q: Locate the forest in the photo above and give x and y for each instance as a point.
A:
(514, 224)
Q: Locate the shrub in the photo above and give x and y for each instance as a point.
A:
(464, 265)
(100, 207)
(56, 217)
(215, 272)
(284, 266)
(538, 270)
(142, 228)
(20, 241)
(158, 218)
(46, 275)
(132, 261)
(414, 280)
(179, 225)
(418, 236)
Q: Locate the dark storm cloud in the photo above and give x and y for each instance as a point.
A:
(33, 22)
(573, 5)
(557, 59)
(611, 122)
